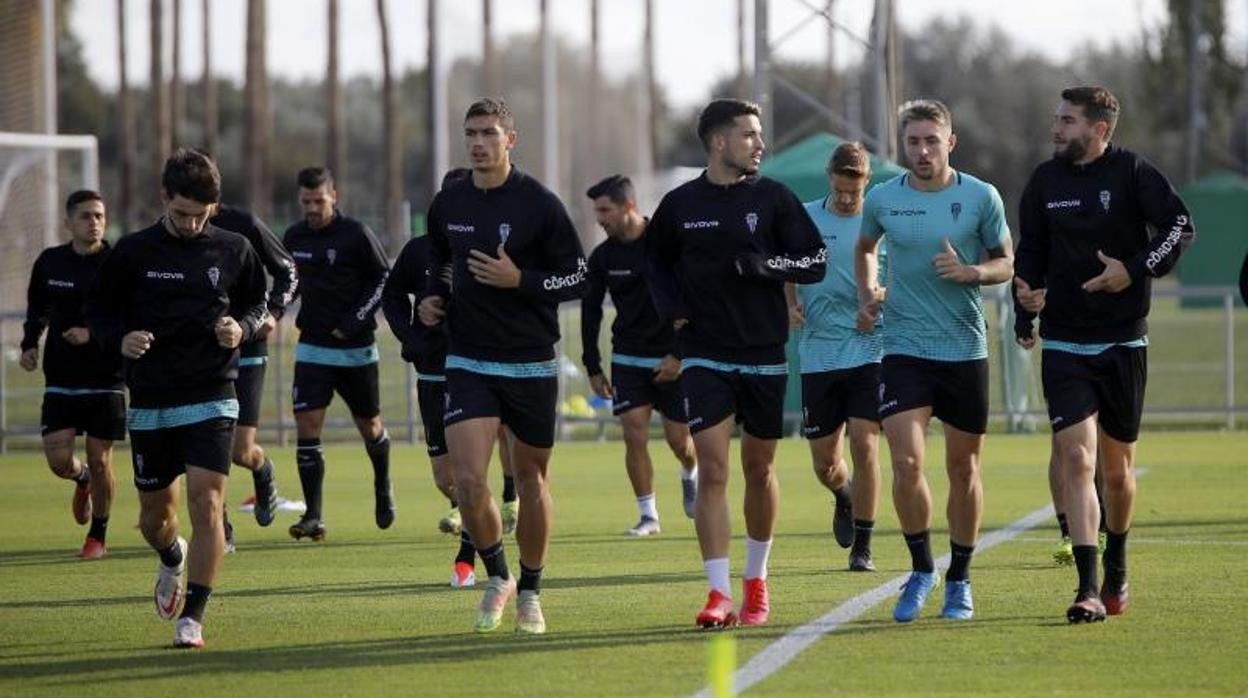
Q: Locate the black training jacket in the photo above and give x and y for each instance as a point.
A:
(59, 283)
(177, 289)
(719, 256)
(618, 267)
(275, 259)
(424, 347)
(1118, 204)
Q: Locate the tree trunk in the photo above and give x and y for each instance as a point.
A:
(390, 142)
(257, 137)
(335, 147)
(159, 93)
(489, 57)
(209, 85)
(175, 80)
(125, 127)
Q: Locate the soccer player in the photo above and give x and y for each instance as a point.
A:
(645, 373)
(1098, 224)
(840, 365)
(254, 356)
(720, 248)
(342, 269)
(512, 256)
(177, 299)
(83, 388)
(940, 223)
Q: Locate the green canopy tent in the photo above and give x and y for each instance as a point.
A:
(1219, 206)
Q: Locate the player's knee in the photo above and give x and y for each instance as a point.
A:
(62, 466)
(963, 474)
(759, 475)
(152, 522)
(906, 466)
(1116, 479)
(205, 506)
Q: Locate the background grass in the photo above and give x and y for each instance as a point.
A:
(369, 612)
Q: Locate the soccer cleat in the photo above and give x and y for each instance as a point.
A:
(861, 561)
(645, 527)
(756, 608)
(463, 575)
(958, 603)
(718, 613)
(1115, 600)
(1063, 553)
(81, 504)
(1087, 608)
(188, 634)
(843, 525)
(308, 527)
(171, 585)
(93, 549)
(498, 592)
(229, 534)
(529, 618)
(914, 594)
(688, 495)
(265, 507)
(511, 514)
(451, 522)
(383, 507)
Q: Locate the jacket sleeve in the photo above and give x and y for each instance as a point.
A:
(247, 295)
(38, 305)
(662, 255)
(563, 278)
(800, 257)
(111, 293)
(440, 272)
(1168, 215)
(591, 314)
(373, 271)
(407, 277)
(280, 265)
(1031, 258)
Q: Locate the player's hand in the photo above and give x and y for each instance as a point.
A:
(679, 323)
(30, 359)
(797, 316)
(869, 311)
(1113, 280)
(668, 369)
(601, 386)
(432, 310)
(135, 344)
(952, 269)
(1032, 300)
(499, 273)
(229, 332)
(1026, 342)
(265, 328)
(77, 336)
(337, 333)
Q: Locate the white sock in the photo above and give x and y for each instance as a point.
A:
(648, 507)
(690, 474)
(756, 554)
(717, 575)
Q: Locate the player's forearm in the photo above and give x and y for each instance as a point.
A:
(866, 273)
(995, 271)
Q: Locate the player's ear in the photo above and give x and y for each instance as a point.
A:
(953, 140)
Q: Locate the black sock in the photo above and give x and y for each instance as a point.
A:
(311, 459)
(83, 478)
(99, 528)
(862, 535)
(197, 596)
(1100, 503)
(509, 488)
(495, 560)
(530, 580)
(959, 562)
(1085, 563)
(171, 556)
(1061, 523)
(467, 553)
(920, 545)
(1115, 560)
(379, 454)
(841, 494)
(454, 504)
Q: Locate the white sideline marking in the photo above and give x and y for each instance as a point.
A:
(1153, 541)
(775, 656)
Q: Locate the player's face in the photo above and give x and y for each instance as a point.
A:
(488, 143)
(928, 145)
(185, 217)
(611, 216)
(847, 194)
(1073, 133)
(743, 145)
(86, 223)
(318, 205)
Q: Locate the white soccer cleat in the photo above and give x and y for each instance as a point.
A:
(188, 634)
(171, 585)
(529, 618)
(645, 527)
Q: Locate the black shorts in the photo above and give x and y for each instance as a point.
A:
(315, 385)
(525, 405)
(431, 396)
(829, 398)
(249, 387)
(957, 391)
(635, 386)
(98, 415)
(161, 455)
(1109, 385)
(756, 400)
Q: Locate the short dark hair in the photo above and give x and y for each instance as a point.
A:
(617, 187)
(850, 159)
(313, 177)
(721, 113)
(1099, 104)
(492, 106)
(453, 175)
(192, 174)
(81, 196)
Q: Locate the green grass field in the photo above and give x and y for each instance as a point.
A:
(369, 612)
